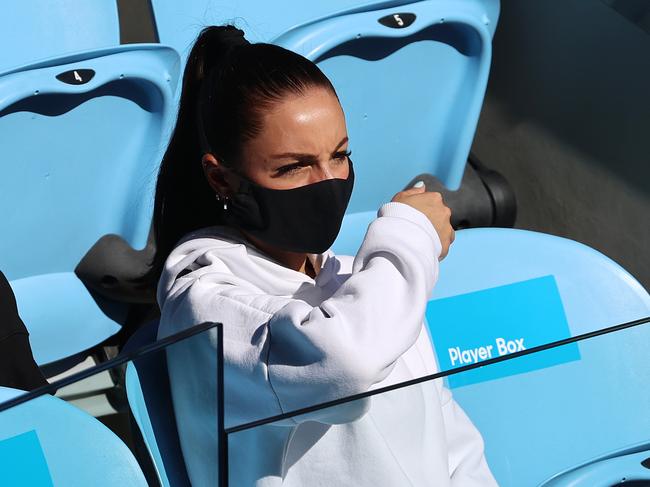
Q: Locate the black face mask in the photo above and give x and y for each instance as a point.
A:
(305, 219)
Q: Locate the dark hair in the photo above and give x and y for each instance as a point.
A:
(229, 83)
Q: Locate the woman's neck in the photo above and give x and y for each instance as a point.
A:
(297, 261)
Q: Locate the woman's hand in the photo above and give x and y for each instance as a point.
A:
(431, 204)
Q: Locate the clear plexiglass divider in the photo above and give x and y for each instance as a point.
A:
(115, 422)
(572, 412)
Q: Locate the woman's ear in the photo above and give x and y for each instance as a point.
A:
(219, 177)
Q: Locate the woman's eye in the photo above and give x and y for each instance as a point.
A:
(342, 156)
(292, 169)
(289, 169)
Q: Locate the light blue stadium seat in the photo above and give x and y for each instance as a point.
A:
(412, 94)
(80, 155)
(47, 442)
(149, 395)
(594, 293)
(576, 396)
(40, 29)
(262, 21)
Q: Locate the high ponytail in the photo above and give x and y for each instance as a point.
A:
(227, 85)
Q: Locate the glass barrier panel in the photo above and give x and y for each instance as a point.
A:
(126, 421)
(580, 421)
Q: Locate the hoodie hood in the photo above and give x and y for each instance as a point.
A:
(225, 250)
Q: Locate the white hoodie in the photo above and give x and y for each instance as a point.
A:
(291, 341)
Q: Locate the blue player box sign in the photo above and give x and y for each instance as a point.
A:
(474, 327)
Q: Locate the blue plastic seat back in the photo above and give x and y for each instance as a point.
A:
(412, 92)
(81, 157)
(41, 29)
(47, 442)
(149, 394)
(81, 138)
(262, 21)
(573, 404)
(411, 87)
(520, 285)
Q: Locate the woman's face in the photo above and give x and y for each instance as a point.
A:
(304, 140)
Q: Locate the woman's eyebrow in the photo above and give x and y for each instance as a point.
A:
(298, 155)
(338, 146)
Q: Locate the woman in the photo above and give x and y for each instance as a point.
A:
(250, 196)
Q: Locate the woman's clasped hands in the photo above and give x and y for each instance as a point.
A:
(434, 208)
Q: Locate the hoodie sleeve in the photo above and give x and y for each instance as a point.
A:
(288, 354)
(353, 339)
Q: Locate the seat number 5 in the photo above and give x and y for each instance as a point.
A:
(399, 20)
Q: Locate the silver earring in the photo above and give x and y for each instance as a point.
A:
(224, 199)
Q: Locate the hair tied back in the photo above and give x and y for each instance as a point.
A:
(219, 43)
(234, 36)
